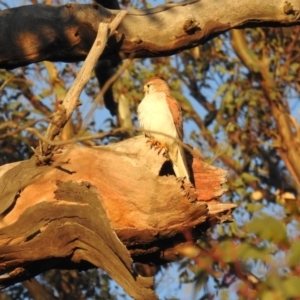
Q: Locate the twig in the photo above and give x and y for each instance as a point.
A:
(13, 125)
(71, 100)
(76, 139)
(6, 81)
(105, 134)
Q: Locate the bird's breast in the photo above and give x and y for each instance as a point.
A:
(154, 115)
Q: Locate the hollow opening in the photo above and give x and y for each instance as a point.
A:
(166, 169)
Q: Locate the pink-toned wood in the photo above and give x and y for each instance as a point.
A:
(128, 181)
(72, 209)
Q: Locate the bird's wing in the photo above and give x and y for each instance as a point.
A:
(175, 110)
(179, 160)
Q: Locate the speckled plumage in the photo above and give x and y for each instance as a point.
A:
(161, 113)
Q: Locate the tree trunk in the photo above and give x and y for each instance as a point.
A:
(66, 215)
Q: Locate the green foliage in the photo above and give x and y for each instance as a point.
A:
(274, 232)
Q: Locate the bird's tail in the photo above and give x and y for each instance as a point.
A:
(180, 165)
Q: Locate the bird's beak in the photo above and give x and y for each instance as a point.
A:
(145, 89)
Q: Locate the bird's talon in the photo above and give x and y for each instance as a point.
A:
(161, 148)
(152, 142)
(158, 146)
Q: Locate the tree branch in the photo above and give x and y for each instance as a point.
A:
(66, 33)
(65, 215)
(288, 143)
(71, 100)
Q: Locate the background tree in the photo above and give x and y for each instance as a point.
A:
(240, 97)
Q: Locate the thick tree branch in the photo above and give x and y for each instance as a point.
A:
(66, 33)
(61, 216)
(288, 142)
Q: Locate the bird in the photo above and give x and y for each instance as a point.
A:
(159, 112)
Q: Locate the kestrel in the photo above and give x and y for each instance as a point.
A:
(161, 113)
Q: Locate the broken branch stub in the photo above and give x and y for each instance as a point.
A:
(73, 213)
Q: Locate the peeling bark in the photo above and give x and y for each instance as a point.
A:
(74, 213)
(65, 33)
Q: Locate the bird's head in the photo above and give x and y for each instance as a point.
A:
(154, 85)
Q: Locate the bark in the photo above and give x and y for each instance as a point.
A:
(287, 141)
(65, 33)
(74, 213)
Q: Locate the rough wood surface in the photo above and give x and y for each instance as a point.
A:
(35, 33)
(76, 229)
(61, 216)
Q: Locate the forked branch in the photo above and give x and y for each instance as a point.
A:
(71, 101)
